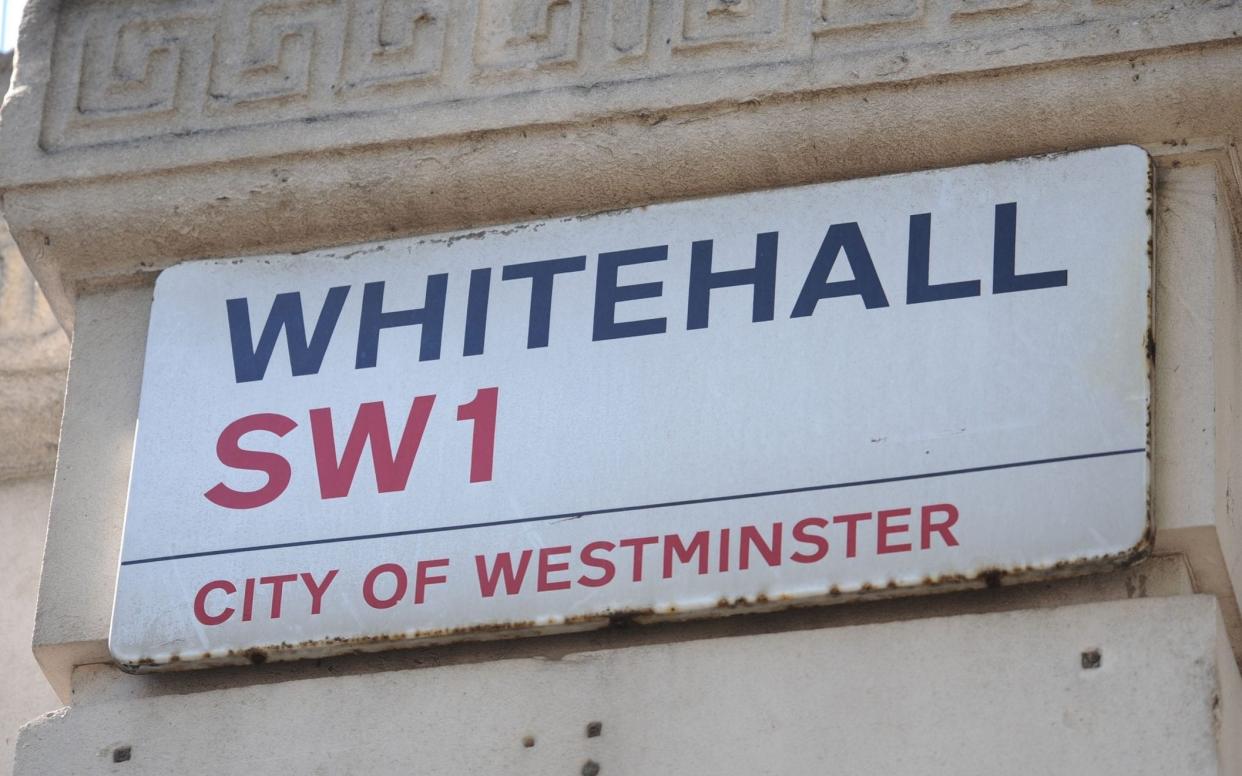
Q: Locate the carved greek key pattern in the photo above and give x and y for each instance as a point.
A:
(527, 33)
(138, 66)
(628, 25)
(730, 22)
(136, 69)
(392, 41)
(846, 14)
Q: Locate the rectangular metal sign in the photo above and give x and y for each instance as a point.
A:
(938, 378)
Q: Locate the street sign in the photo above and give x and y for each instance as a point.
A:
(798, 395)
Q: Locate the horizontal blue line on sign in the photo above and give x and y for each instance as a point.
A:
(617, 510)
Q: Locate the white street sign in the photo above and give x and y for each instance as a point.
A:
(786, 395)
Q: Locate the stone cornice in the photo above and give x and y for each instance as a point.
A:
(141, 133)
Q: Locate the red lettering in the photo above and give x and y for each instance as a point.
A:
(884, 529)
(368, 586)
(248, 601)
(724, 549)
(503, 568)
(605, 565)
(278, 586)
(801, 535)
(851, 530)
(317, 590)
(674, 547)
(370, 423)
(421, 580)
(482, 410)
(941, 528)
(750, 537)
(546, 567)
(638, 545)
(229, 451)
(200, 602)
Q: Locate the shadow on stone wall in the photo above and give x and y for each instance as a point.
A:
(34, 356)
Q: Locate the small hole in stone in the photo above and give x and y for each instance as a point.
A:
(590, 768)
(594, 729)
(528, 741)
(122, 754)
(1092, 658)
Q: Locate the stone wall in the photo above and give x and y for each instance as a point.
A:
(23, 522)
(34, 353)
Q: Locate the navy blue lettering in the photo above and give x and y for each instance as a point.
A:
(1005, 277)
(250, 360)
(918, 275)
(374, 320)
(541, 274)
(608, 294)
(702, 280)
(866, 283)
(476, 311)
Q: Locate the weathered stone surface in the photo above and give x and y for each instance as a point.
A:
(191, 71)
(23, 523)
(967, 695)
(34, 354)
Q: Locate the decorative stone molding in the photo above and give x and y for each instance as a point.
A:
(133, 71)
